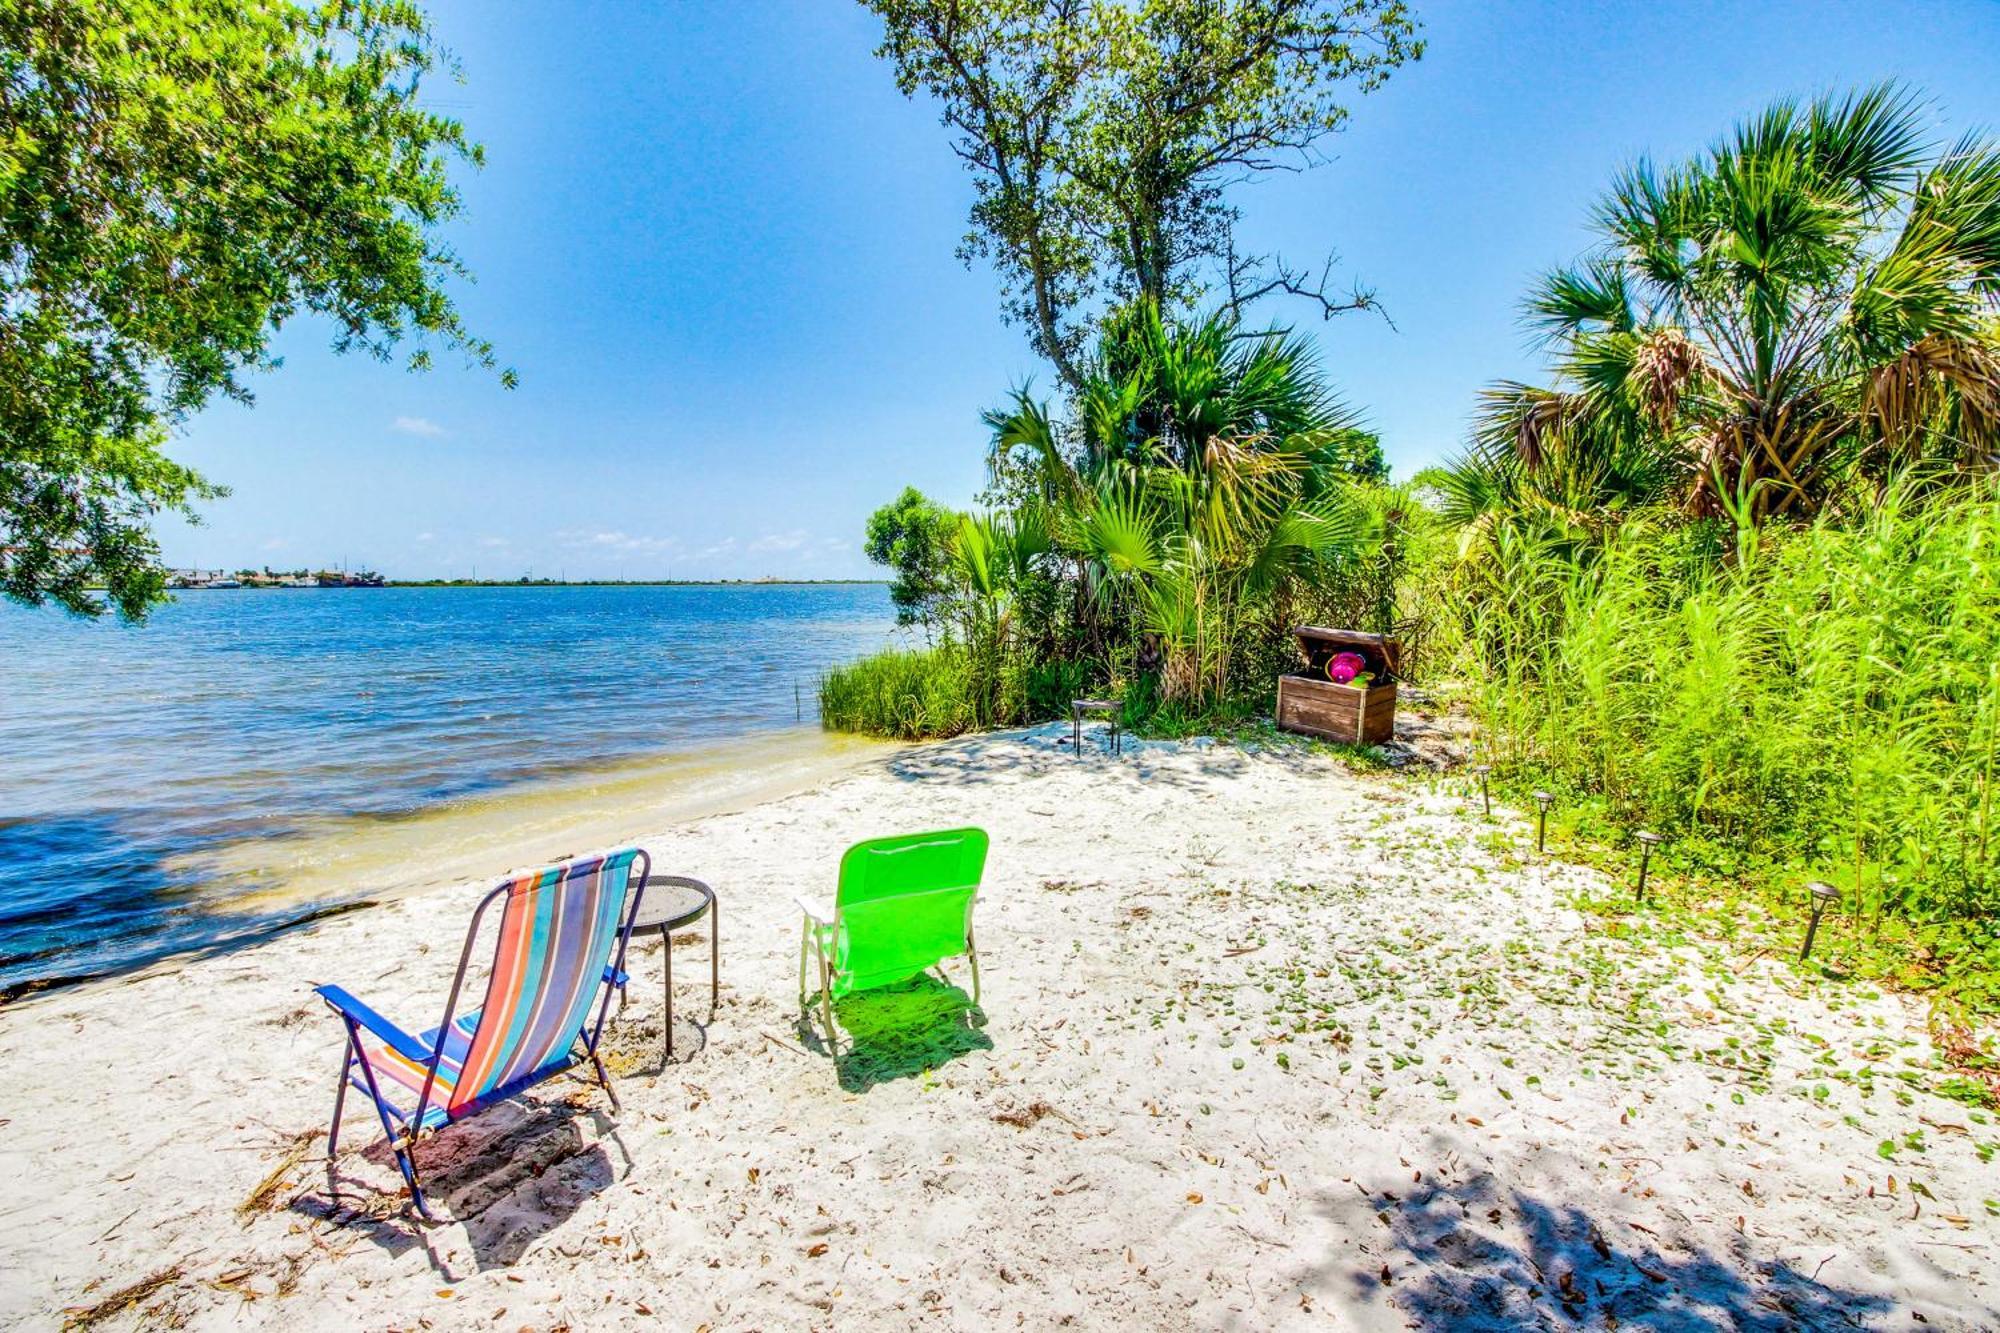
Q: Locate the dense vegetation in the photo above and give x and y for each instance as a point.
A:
(1825, 704)
(1734, 575)
(1200, 488)
(1206, 494)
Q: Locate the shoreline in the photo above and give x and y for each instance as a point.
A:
(334, 865)
(1263, 1042)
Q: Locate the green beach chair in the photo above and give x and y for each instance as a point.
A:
(904, 904)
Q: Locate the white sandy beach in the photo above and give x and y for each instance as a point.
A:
(1266, 1044)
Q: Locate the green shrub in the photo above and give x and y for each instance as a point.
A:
(906, 695)
(1046, 688)
(1826, 705)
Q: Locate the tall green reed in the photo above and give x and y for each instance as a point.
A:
(901, 694)
(1829, 698)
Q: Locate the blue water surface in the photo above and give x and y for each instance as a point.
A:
(235, 714)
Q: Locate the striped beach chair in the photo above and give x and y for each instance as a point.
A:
(559, 929)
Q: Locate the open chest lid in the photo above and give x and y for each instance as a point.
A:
(1382, 653)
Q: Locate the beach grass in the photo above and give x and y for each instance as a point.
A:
(901, 694)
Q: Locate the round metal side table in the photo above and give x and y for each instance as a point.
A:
(668, 903)
(1111, 710)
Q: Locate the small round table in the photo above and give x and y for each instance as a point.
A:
(668, 903)
(1111, 710)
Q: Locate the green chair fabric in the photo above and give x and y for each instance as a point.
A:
(903, 905)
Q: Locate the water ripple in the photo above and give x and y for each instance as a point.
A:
(131, 753)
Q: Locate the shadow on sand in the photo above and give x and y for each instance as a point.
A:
(508, 1176)
(900, 1031)
(1477, 1256)
(1007, 757)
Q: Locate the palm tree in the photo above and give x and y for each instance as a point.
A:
(992, 558)
(1157, 393)
(1795, 312)
(1203, 469)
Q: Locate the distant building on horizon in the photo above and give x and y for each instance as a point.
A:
(184, 579)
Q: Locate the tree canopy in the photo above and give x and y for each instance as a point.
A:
(1103, 136)
(1765, 329)
(178, 179)
(912, 535)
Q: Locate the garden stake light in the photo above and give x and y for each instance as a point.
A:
(1542, 799)
(1823, 896)
(1485, 797)
(1647, 842)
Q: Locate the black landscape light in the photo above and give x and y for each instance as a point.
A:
(1485, 797)
(1823, 897)
(1647, 842)
(1542, 799)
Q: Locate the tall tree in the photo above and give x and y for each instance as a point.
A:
(1103, 136)
(179, 178)
(1811, 302)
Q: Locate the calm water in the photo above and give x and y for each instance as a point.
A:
(132, 760)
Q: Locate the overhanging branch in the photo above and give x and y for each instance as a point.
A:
(1253, 277)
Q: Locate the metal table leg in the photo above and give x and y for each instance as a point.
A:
(691, 901)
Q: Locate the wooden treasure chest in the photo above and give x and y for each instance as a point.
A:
(1359, 713)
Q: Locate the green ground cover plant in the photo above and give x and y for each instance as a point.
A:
(1827, 707)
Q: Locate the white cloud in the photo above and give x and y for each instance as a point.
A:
(422, 426)
(799, 545)
(622, 542)
(494, 543)
(820, 551)
(779, 542)
(276, 544)
(427, 536)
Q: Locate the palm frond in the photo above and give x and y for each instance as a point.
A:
(1025, 426)
(1940, 386)
(1469, 487)
(1330, 533)
(1665, 365)
(974, 548)
(1652, 222)
(1519, 422)
(1592, 297)
(1872, 140)
(1121, 532)
(1957, 202)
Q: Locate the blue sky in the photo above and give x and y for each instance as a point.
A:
(717, 245)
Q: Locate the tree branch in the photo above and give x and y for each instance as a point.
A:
(1251, 278)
